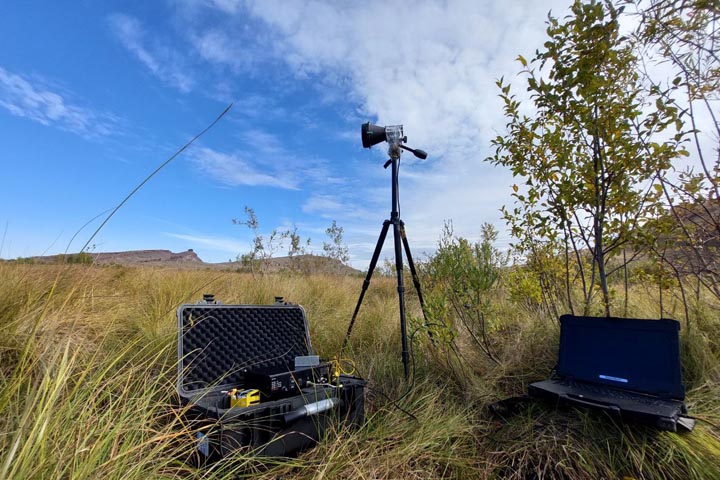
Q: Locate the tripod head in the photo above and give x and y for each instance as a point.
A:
(393, 135)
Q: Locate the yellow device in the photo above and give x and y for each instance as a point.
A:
(244, 398)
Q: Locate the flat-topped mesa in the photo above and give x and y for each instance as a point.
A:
(146, 256)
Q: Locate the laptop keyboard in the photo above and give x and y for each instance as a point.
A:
(599, 390)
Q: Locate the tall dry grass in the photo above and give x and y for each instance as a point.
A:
(87, 377)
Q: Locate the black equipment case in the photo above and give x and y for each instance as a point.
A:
(220, 345)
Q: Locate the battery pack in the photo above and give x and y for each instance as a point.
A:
(244, 398)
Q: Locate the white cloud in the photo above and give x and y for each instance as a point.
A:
(235, 170)
(429, 65)
(164, 62)
(30, 98)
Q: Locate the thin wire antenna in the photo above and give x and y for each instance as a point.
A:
(175, 155)
(2, 243)
(83, 227)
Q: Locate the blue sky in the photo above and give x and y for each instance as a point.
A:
(95, 95)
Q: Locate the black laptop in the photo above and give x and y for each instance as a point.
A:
(625, 366)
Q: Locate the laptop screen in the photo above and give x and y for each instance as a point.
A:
(633, 354)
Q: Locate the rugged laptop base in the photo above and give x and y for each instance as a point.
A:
(662, 414)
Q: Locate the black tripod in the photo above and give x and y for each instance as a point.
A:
(399, 235)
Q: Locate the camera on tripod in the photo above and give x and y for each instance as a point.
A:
(392, 134)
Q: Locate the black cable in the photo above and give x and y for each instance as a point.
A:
(412, 357)
(395, 402)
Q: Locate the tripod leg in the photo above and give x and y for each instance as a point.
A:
(366, 283)
(413, 271)
(401, 293)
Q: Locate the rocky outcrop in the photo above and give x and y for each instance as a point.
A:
(146, 256)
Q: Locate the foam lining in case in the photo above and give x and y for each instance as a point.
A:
(217, 343)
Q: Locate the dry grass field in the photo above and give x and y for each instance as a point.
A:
(88, 365)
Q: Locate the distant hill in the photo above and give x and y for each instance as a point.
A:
(190, 260)
(701, 255)
(303, 263)
(135, 257)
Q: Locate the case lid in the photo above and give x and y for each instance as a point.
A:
(217, 343)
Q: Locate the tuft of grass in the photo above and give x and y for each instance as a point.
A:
(581, 444)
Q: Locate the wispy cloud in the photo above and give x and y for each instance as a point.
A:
(225, 6)
(215, 46)
(260, 107)
(31, 98)
(166, 63)
(262, 142)
(325, 204)
(220, 244)
(263, 159)
(235, 170)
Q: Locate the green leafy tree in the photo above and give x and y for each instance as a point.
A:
(458, 280)
(263, 247)
(297, 247)
(589, 154)
(297, 250)
(685, 36)
(249, 259)
(336, 248)
(83, 258)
